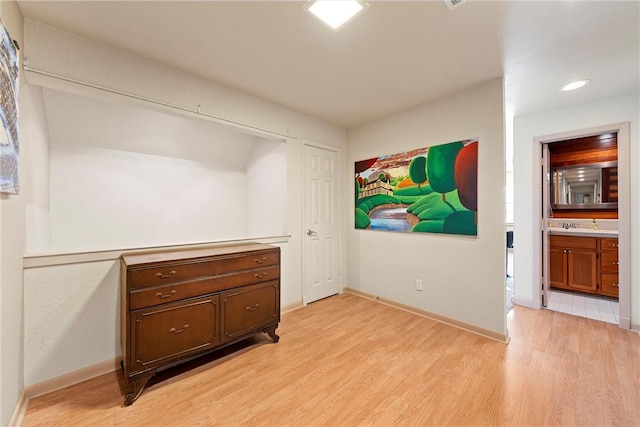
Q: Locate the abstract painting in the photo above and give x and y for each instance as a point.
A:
(8, 113)
(426, 190)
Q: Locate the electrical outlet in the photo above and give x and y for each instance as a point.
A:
(418, 284)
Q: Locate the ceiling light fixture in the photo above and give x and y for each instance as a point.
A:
(574, 85)
(453, 3)
(334, 13)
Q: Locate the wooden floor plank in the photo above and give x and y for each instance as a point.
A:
(347, 360)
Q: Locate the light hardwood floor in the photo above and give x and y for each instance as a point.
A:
(347, 360)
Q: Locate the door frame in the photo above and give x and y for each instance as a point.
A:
(624, 211)
(544, 235)
(339, 202)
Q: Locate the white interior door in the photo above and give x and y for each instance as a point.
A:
(321, 225)
(544, 221)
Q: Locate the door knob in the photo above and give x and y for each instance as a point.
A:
(312, 233)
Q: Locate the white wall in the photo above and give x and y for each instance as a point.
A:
(464, 277)
(622, 108)
(12, 242)
(34, 130)
(93, 297)
(266, 189)
(106, 199)
(78, 325)
(129, 176)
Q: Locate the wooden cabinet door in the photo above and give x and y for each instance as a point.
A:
(172, 331)
(582, 270)
(250, 308)
(558, 267)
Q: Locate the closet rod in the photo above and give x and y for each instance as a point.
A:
(153, 101)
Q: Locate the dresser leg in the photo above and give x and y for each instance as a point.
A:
(136, 385)
(273, 335)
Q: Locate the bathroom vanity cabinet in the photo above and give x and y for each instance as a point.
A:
(573, 263)
(179, 304)
(585, 264)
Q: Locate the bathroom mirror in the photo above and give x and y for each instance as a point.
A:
(589, 186)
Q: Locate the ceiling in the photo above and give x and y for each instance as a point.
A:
(392, 57)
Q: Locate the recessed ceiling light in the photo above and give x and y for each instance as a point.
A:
(574, 85)
(334, 13)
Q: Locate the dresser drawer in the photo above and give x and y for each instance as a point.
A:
(607, 244)
(610, 284)
(146, 297)
(609, 262)
(173, 331)
(249, 308)
(162, 274)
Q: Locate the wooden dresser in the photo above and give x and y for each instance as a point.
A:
(180, 304)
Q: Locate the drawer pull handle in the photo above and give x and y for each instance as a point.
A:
(260, 260)
(179, 331)
(162, 276)
(260, 275)
(169, 295)
(253, 308)
(615, 262)
(615, 285)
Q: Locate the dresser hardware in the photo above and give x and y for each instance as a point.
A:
(260, 260)
(178, 331)
(162, 276)
(253, 308)
(615, 262)
(170, 294)
(260, 275)
(615, 285)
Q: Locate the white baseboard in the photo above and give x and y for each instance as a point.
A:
(21, 409)
(535, 304)
(57, 383)
(291, 307)
(72, 378)
(503, 338)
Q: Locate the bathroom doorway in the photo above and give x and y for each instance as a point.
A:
(579, 240)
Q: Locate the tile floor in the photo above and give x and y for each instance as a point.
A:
(598, 308)
(509, 293)
(604, 309)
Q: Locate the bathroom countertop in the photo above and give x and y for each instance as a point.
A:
(583, 232)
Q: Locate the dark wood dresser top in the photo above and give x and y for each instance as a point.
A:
(179, 255)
